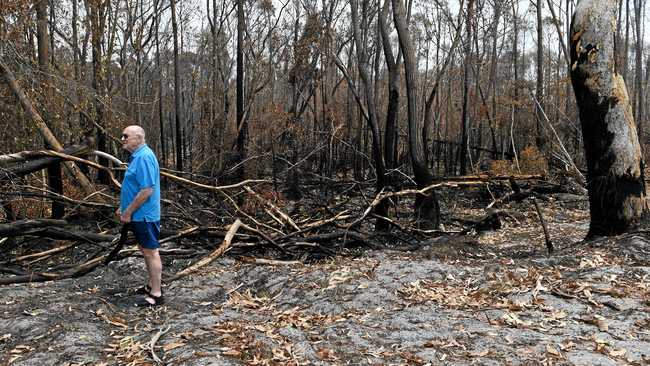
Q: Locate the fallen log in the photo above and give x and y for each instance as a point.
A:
(489, 177)
(18, 228)
(346, 235)
(491, 221)
(53, 229)
(78, 271)
(25, 162)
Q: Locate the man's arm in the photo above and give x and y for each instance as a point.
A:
(139, 199)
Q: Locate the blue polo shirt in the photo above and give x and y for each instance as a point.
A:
(143, 172)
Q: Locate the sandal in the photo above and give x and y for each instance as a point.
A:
(144, 290)
(147, 301)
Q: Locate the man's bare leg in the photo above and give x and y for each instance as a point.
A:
(154, 268)
(146, 263)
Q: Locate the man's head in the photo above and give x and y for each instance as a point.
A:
(132, 138)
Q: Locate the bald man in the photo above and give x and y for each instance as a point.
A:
(140, 208)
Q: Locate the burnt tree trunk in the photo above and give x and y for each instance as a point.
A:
(242, 125)
(426, 206)
(392, 109)
(362, 65)
(54, 176)
(614, 162)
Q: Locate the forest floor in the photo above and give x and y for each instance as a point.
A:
(489, 298)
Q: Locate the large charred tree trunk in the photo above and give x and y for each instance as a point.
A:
(615, 166)
(97, 24)
(382, 208)
(426, 206)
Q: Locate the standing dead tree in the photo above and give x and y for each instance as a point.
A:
(426, 205)
(614, 163)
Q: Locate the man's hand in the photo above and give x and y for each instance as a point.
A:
(140, 198)
(125, 217)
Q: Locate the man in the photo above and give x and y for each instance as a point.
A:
(140, 208)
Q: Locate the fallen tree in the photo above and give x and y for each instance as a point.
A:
(267, 224)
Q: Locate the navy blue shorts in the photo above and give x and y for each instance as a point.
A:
(147, 233)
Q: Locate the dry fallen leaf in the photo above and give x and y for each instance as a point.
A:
(338, 277)
(433, 343)
(232, 353)
(483, 353)
(412, 358)
(513, 320)
(617, 352)
(171, 346)
(539, 287)
(550, 349)
(325, 354)
(598, 321)
(602, 324)
(559, 314)
(567, 345)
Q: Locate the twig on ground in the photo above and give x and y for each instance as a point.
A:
(155, 339)
(212, 256)
(547, 237)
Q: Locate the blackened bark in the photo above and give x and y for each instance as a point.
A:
(97, 24)
(54, 175)
(390, 136)
(615, 166)
(382, 208)
(426, 206)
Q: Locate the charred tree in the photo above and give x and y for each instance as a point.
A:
(97, 26)
(615, 178)
(54, 176)
(362, 65)
(426, 206)
(242, 126)
(393, 65)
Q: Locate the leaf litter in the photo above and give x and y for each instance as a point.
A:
(495, 299)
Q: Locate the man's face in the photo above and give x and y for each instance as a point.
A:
(130, 141)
